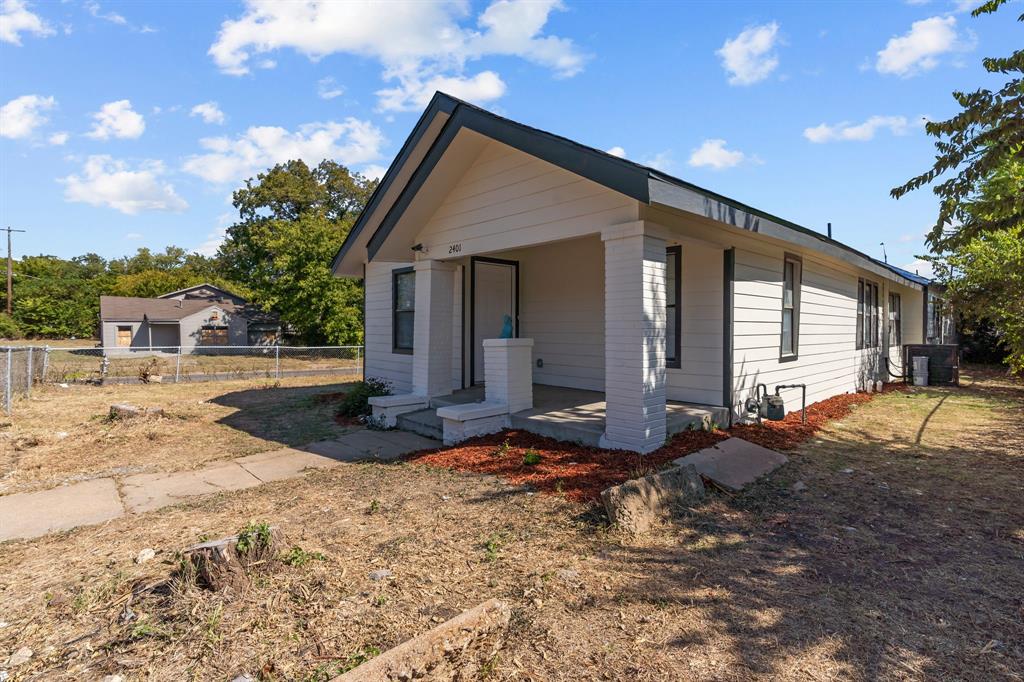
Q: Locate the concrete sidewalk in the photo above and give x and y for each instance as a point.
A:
(29, 515)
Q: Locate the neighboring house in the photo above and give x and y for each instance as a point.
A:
(644, 291)
(202, 315)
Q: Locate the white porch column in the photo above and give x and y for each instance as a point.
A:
(634, 322)
(432, 329)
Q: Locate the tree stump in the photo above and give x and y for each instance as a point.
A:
(219, 565)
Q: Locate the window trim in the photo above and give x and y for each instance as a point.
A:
(676, 253)
(395, 274)
(895, 319)
(798, 281)
(869, 320)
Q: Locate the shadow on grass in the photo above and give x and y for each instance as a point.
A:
(290, 415)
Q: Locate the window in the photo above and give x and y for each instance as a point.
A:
(868, 316)
(213, 335)
(124, 336)
(895, 320)
(673, 319)
(403, 289)
(791, 279)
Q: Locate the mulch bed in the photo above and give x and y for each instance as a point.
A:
(580, 472)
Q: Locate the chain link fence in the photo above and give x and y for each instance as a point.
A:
(23, 366)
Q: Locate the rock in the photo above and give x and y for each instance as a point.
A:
(634, 505)
(127, 411)
(380, 574)
(799, 487)
(22, 655)
(846, 471)
(63, 385)
(113, 678)
(145, 555)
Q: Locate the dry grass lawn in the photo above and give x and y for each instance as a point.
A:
(901, 560)
(61, 435)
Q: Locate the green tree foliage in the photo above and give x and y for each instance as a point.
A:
(987, 135)
(292, 220)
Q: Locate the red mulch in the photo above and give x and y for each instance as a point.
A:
(789, 433)
(577, 471)
(580, 473)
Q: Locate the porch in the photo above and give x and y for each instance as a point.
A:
(568, 414)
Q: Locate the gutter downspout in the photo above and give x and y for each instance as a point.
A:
(728, 281)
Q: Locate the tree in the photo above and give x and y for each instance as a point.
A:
(986, 136)
(58, 298)
(292, 220)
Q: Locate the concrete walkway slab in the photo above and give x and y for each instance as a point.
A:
(277, 465)
(734, 463)
(146, 492)
(29, 515)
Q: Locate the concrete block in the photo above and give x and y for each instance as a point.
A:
(635, 505)
(734, 463)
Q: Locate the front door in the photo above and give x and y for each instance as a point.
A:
(495, 297)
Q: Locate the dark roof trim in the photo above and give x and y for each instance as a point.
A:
(199, 286)
(642, 183)
(617, 174)
(439, 103)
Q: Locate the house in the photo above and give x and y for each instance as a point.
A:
(638, 302)
(201, 315)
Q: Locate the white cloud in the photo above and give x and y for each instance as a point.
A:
(109, 182)
(216, 236)
(209, 111)
(326, 88)
(749, 57)
(921, 267)
(117, 119)
(133, 236)
(859, 132)
(662, 161)
(113, 17)
(919, 49)
(352, 142)
(15, 18)
(414, 92)
(960, 6)
(374, 171)
(59, 139)
(713, 154)
(617, 151)
(22, 115)
(419, 43)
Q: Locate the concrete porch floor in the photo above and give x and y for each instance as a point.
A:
(576, 415)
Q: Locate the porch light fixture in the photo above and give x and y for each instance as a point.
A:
(419, 248)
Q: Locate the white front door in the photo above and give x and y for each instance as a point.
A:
(494, 297)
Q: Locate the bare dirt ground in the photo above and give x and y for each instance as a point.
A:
(62, 435)
(902, 559)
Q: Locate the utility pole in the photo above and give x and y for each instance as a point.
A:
(10, 268)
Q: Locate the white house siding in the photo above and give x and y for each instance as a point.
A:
(191, 327)
(699, 377)
(380, 362)
(508, 199)
(108, 334)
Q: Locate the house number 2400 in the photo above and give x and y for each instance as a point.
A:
(454, 248)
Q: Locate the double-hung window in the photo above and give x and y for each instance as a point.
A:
(868, 316)
(403, 299)
(673, 291)
(895, 320)
(791, 279)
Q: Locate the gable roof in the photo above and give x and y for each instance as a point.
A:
(647, 185)
(131, 308)
(205, 285)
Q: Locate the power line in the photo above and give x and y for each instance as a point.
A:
(10, 268)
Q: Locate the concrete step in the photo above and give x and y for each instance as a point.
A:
(424, 422)
(566, 430)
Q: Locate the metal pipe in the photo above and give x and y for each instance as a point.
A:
(803, 398)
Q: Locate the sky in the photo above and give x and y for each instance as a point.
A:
(129, 124)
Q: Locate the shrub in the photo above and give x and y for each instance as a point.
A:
(9, 329)
(531, 458)
(356, 402)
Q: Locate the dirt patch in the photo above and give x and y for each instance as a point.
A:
(577, 472)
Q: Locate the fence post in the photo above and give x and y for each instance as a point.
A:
(360, 361)
(7, 384)
(177, 366)
(28, 382)
(277, 361)
(46, 364)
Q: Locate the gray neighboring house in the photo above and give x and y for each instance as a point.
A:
(201, 315)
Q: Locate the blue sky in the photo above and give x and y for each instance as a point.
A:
(128, 124)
